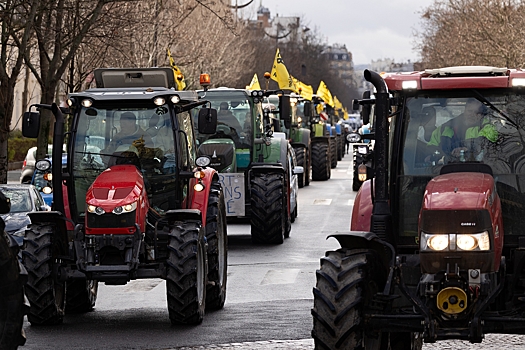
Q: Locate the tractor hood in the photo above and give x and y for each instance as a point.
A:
(116, 186)
(455, 205)
(467, 190)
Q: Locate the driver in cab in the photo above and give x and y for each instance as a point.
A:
(225, 116)
(131, 137)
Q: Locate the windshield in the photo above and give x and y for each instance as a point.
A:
(20, 199)
(234, 118)
(107, 137)
(442, 129)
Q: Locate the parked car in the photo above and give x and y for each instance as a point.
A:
(28, 167)
(24, 199)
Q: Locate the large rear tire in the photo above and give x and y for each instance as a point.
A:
(333, 152)
(300, 155)
(320, 161)
(308, 165)
(45, 293)
(346, 281)
(217, 238)
(267, 221)
(186, 274)
(81, 296)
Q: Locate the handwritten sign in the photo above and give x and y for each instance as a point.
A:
(233, 188)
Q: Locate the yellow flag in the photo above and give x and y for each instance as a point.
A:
(179, 77)
(306, 91)
(254, 85)
(319, 108)
(337, 103)
(325, 94)
(280, 74)
(345, 113)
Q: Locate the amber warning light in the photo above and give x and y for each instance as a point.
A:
(204, 79)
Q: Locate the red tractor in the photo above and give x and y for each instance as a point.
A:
(437, 247)
(136, 200)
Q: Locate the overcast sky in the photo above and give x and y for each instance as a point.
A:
(370, 29)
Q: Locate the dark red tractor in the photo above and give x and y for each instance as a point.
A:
(136, 201)
(437, 247)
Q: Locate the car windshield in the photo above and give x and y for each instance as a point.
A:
(20, 199)
(442, 129)
(111, 136)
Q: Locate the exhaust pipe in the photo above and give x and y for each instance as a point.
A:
(381, 221)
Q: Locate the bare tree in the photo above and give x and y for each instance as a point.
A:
(17, 19)
(473, 32)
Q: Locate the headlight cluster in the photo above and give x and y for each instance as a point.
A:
(127, 208)
(455, 242)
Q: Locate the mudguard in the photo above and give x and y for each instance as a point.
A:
(300, 137)
(362, 210)
(367, 240)
(56, 218)
(200, 199)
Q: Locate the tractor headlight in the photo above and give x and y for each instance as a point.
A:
(125, 208)
(94, 209)
(47, 190)
(455, 242)
(438, 242)
(478, 241)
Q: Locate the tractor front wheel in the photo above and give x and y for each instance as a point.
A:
(45, 293)
(186, 274)
(346, 281)
(81, 296)
(217, 238)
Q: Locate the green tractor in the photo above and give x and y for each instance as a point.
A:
(297, 134)
(321, 142)
(257, 167)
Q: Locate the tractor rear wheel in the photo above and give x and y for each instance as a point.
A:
(217, 238)
(333, 152)
(268, 217)
(308, 165)
(300, 155)
(345, 283)
(320, 161)
(81, 296)
(45, 293)
(186, 274)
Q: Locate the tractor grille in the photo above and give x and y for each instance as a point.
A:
(110, 220)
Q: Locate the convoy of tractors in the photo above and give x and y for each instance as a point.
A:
(435, 248)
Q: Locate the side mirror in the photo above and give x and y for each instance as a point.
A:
(5, 204)
(353, 137)
(307, 109)
(31, 124)
(366, 109)
(284, 108)
(207, 121)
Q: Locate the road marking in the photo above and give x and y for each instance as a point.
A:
(322, 202)
(281, 276)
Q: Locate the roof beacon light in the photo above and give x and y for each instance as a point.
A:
(204, 79)
(409, 84)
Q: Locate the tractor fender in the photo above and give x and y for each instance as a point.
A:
(362, 210)
(367, 240)
(56, 218)
(184, 215)
(300, 138)
(200, 199)
(320, 139)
